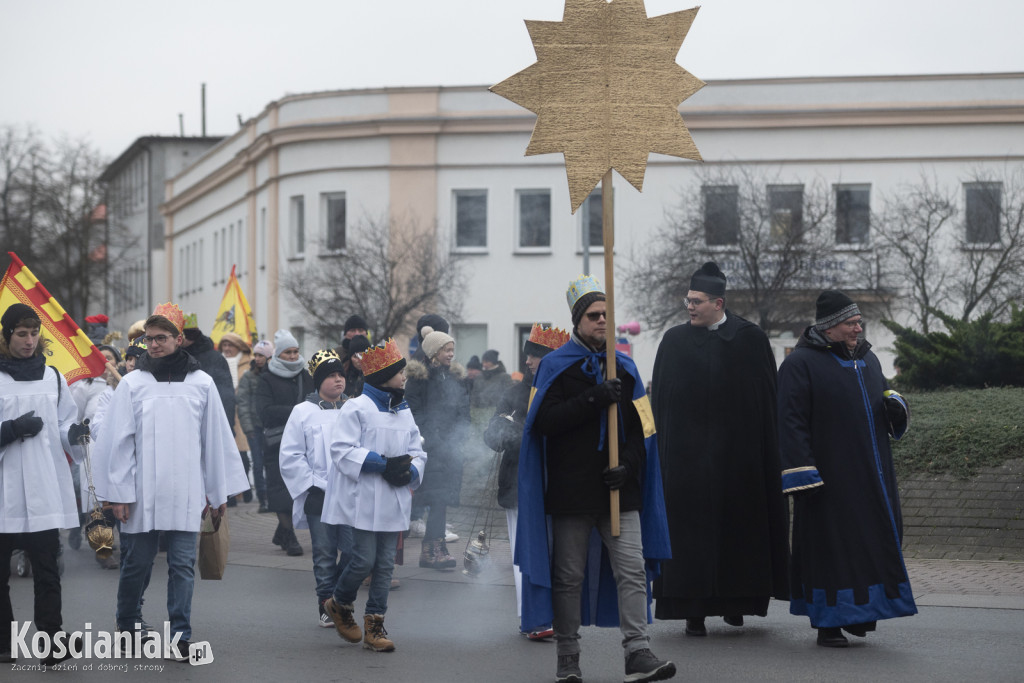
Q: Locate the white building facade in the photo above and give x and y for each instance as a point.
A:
(297, 180)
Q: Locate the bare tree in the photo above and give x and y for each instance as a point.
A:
(50, 215)
(387, 274)
(991, 246)
(957, 251)
(909, 237)
(772, 239)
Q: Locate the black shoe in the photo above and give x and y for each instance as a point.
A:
(568, 670)
(263, 509)
(859, 630)
(232, 502)
(695, 627)
(831, 637)
(180, 654)
(292, 547)
(247, 496)
(642, 665)
(734, 620)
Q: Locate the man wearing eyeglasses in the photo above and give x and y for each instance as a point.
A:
(166, 449)
(564, 476)
(714, 406)
(836, 414)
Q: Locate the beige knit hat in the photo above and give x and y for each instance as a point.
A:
(433, 341)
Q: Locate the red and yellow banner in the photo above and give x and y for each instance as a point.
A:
(234, 314)
(71, 352)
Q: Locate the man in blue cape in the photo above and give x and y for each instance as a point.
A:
(564, 545)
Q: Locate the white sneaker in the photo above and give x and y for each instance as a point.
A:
(417, 528)
(449, 534)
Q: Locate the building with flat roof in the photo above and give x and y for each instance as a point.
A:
(285, 192)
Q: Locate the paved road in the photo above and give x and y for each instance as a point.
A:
(261, 618)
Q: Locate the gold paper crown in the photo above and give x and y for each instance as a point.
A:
(320, 357)
(191, 321)
(552, 337)
(173, 313)
(584, 284)
(377, 358)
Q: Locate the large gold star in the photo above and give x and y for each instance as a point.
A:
(606, 90)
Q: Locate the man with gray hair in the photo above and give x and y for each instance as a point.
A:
(836, 412)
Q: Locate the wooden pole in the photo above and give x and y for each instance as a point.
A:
(608, 230)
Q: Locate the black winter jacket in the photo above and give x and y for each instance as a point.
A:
(506, 435)
(575, 464)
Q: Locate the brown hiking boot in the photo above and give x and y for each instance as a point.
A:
(376, 637)
(344, 623)
(434, 555)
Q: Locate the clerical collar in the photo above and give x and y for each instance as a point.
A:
(721, 322)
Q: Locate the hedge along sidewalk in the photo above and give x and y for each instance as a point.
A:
(958, 431)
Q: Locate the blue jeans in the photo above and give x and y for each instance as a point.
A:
(329, 541)
(373, 555)
(255, 440)
(137, 554)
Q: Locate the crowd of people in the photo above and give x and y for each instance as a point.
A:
(366, 449)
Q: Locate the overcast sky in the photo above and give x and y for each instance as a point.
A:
(112, 71)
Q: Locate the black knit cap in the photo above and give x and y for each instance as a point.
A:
(832, 308)
(431, 320)
(709, 279)
(355, 322)
(358, 344)
(326, 368)
(581, 306)
(474, 363)
(15, 314)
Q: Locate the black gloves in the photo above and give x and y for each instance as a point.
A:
(616, 477)
(606, 393)
(20, 427)
(314, 503)
(398, 470)
(76, 432)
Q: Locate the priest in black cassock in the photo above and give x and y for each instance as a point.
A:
(714, 394)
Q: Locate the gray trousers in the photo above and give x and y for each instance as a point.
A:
(570, 539)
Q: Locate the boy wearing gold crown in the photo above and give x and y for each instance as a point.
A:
(305, 465)
(564, 477)
(376, 461)
(166, 449)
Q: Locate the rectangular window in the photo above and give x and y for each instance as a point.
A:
(470, 340)
(984, 207)
(470, 219)
(592, 217)
(332, 207)
(853, 214)
(721, 214)
(534, 207)
(297, 219)
(786, 203)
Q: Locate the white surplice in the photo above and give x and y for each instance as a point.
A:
(363, 500)
(36, 490)
(166, 447)
(304, 458)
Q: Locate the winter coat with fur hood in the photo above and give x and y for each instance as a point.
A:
(439, 400)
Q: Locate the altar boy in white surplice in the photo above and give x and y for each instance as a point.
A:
(165, 450)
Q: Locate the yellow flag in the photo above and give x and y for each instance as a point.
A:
(71, 352)
(234, 314)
